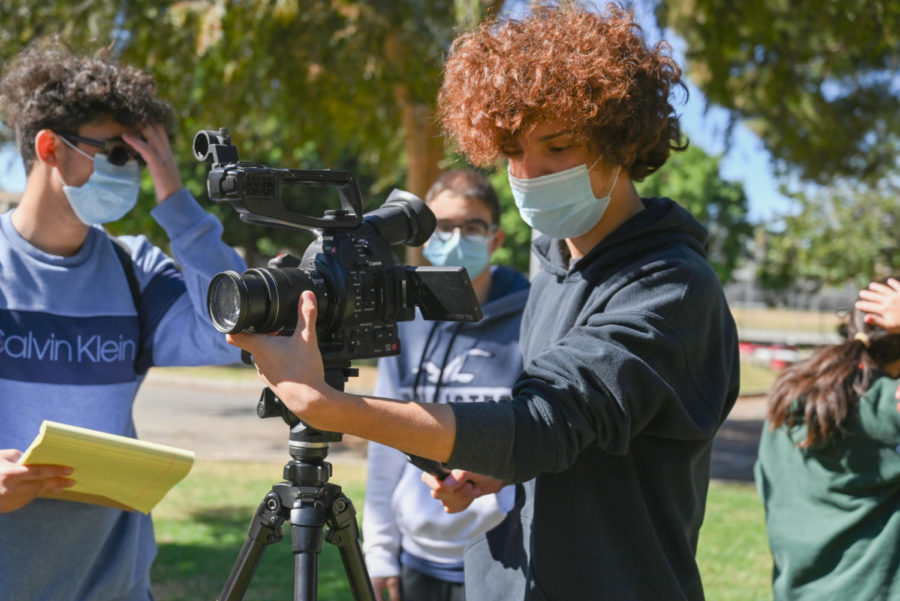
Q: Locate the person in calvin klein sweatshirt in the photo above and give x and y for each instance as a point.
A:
(83, 315)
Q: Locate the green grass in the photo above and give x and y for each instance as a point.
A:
(202, 523)
(755, 378)
(786, 319)
(733, 553)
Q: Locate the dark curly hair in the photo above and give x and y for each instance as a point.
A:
(593, 72)
(50, 87)
(469, 184)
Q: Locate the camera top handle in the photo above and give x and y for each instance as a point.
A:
(254, 190)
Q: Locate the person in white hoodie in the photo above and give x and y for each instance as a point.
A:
(411, 545)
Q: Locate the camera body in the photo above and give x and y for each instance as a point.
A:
(361, 289)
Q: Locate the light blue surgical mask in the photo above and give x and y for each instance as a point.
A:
(110, 192)
(562, 204)
(457, 251)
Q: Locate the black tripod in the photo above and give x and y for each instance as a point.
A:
(309, 502)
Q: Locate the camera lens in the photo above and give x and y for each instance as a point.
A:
(228, 302)
(225, 300)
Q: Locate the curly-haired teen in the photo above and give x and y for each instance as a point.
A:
(84, 315)
(630, 352)
(829, 470)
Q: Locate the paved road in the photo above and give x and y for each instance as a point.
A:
(217, 419)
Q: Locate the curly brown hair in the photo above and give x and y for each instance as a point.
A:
(50, 87)
(593, 72)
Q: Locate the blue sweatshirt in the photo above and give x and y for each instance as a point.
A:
(74, 349)
(631, 365)
(441, 362)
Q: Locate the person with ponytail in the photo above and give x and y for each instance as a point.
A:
(828, 470)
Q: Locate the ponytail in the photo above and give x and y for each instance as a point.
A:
(826, 386)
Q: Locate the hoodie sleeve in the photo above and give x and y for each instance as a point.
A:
(173, 300)
(658, 357)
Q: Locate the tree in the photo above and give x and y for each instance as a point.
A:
(817, 81)
(845, 233)
(692, 179)
(311, 84)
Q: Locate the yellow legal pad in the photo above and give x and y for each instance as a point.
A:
(110, 470)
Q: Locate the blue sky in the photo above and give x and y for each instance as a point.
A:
(744, 160)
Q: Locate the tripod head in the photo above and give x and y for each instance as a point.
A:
(305, 443)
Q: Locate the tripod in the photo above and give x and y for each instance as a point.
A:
(309, 502)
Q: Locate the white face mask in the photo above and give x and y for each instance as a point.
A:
(562, 204)
(474, 255)
(110, 192)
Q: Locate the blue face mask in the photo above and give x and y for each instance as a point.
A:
(109, 193)
(562, 204)
(459, 252)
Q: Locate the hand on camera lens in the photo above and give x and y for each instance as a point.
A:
(291, 365)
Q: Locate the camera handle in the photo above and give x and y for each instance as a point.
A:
(309, 502)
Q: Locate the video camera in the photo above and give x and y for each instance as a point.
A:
(361, 289)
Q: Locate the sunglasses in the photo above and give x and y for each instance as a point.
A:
(117, 151)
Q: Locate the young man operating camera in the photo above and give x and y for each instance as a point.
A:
(629, 348)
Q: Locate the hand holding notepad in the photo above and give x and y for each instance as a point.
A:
(110, 470)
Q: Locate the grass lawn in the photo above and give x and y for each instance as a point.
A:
(202, 523)
(786, 319)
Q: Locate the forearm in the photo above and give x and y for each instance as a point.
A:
(427, 430)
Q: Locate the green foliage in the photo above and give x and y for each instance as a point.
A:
(692, 179)
(516, 249)
(300, 84)
(845, 233)
(817, 81)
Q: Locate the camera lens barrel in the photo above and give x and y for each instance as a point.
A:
(259, 300)
(403, 219)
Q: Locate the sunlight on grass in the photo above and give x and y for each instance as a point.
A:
(733, 552)
(756, 378)
(203, 522)
(785, 319)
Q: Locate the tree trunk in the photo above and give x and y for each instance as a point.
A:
(424, 151)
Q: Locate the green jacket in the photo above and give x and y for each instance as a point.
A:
(832, 511)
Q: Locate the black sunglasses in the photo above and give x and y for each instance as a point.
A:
(117, 151)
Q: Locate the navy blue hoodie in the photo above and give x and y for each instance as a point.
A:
(631, 365)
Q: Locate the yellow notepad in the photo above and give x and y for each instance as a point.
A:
(110, 470)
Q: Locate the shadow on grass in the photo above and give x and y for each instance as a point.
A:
(734, 450)
(191, 572)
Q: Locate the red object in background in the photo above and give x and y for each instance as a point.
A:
(782, 356)
(746, 349)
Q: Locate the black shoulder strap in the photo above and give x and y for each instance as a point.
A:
(123, 253)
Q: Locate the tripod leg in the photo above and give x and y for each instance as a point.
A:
(307, 522)
(265, 529)
(344, 533)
